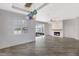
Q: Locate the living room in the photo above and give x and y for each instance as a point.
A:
(39, 29)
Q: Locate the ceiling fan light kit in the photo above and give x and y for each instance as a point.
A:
(31, 14)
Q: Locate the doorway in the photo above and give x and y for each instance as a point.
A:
(40, 34)
(40, 30)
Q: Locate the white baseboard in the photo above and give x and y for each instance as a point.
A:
(10, 45)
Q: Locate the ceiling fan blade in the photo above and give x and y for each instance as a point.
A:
(15, 7)
(34, 12)
(42, 6)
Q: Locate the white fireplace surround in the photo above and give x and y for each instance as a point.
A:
(61, 33)
(56, 26)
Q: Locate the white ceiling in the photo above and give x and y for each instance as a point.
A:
(33, 6)
(59, 11)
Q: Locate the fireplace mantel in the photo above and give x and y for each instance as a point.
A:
(57, 29)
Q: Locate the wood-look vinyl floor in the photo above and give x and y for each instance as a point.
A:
(44, 46)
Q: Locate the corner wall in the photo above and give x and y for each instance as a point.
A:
(8, 22)
(71, 28)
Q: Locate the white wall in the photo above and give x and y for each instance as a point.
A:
(71, 28)
(8, 24)
(46, 29)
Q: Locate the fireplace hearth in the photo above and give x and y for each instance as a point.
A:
(56, 33)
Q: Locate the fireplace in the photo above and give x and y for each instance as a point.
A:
(56, 33)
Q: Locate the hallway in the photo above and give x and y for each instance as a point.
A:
(44, 46)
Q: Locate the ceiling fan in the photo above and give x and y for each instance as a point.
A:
(30, 13)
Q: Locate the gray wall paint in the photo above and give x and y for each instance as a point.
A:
(71, 28)
(8, 22)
